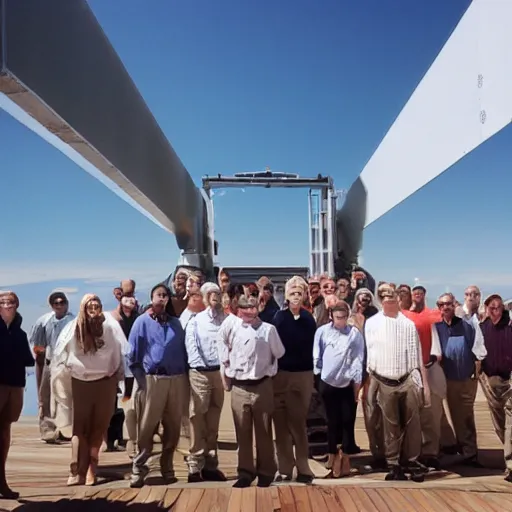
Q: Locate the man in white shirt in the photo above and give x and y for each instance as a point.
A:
(395, 364)
(248, 351)
(206, 389)
(43, 339)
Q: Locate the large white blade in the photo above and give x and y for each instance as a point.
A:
(463, 100)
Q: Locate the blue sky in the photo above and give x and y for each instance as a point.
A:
(300, 86)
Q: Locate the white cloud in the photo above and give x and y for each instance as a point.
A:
(145, 273)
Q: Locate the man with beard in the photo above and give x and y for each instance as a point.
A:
(126, 314)
(497, 371)
(430, 417)
(249, 351)
(158, 361)
(43, 339)
(293, 383)
(206, 389)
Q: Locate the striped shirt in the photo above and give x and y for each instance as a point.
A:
(393, 346)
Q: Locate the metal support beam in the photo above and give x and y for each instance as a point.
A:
(57, 64)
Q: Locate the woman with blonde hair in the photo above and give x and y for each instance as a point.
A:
(91, 350)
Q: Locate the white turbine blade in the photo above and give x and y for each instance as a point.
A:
(463, 100)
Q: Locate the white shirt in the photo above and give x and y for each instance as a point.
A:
(249, 353)
(105, 362)
(479, 345)
(393, 346)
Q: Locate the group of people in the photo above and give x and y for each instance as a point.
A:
(173, 360)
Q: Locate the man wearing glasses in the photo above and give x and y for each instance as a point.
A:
(462, 352)
(43, 338)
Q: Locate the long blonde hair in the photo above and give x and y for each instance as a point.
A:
(87, 332)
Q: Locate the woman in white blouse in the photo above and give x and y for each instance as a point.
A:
(338, 355)
(91, 351)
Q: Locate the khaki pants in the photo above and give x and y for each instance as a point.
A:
(252, 404)
(400, 406)
(92, 411)
(373, 421)
(47, 426)
(161, 401)
(430, 417)
(460, 395)
(498, 393)
(292, 396)
(206, 401)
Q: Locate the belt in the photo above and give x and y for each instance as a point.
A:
(247, 382)
(207, 368)
(159, 371)
(391, 382)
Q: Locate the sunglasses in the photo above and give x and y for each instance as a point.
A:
(442, 304)
(59, 303)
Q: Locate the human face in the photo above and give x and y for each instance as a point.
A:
(447, 306)
(418, 297)
(339, 319)
(364, 300)
(7, 307)
(118, 293)
(314, 292)
(343, 288)
(60, 307)
(390, 305)
(128, 303)
(472, 297)
(248, 315)
(180, 281)
(223, 282)
(160, 298)
(328, 287)
(193, 286)
(495, 310)
(296, 297)
(93, 308)
(214, 300)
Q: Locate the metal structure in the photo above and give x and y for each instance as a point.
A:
(57, 64)
(322, 209)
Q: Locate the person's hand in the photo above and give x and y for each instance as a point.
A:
(364, 391)
(478, 369)
(357, 389)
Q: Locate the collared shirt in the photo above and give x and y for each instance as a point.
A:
(107, 361)
(479, 345)
(201, 338)
(338, 355)
(456, 342)
(185, 317)
(157, 348)
(46, 331)
(251, 353)
(393, 346)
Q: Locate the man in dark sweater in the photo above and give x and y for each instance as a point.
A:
(293, 383)
(15, 356)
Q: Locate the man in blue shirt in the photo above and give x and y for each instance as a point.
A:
(158, 362)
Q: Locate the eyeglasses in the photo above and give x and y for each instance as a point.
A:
(7, 303)
(59, 303)
(442, 304)
(93, 306)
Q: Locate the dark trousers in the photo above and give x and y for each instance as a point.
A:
(115, 429)
(340, 407)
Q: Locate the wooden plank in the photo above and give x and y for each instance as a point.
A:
(143, 493)
(394, 499)
(264, 501)
(235, 501)
(276, 503)
(300, 495)
(445, 498)
(367, 503)
(170, 497)
(249, 499)
(346, 501)
(330, 498)
(208, 501)
(223, 497)
(377, 500)
(286, 499)
(503, 501)
(128, 496)
(316, 499)
(419, 498)
(437, 504)
(188, 500)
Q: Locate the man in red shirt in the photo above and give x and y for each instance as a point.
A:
(430, 417)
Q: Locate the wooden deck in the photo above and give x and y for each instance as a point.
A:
(39, 472)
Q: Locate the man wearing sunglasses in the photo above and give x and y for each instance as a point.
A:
(462, 353)
(43, 338)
